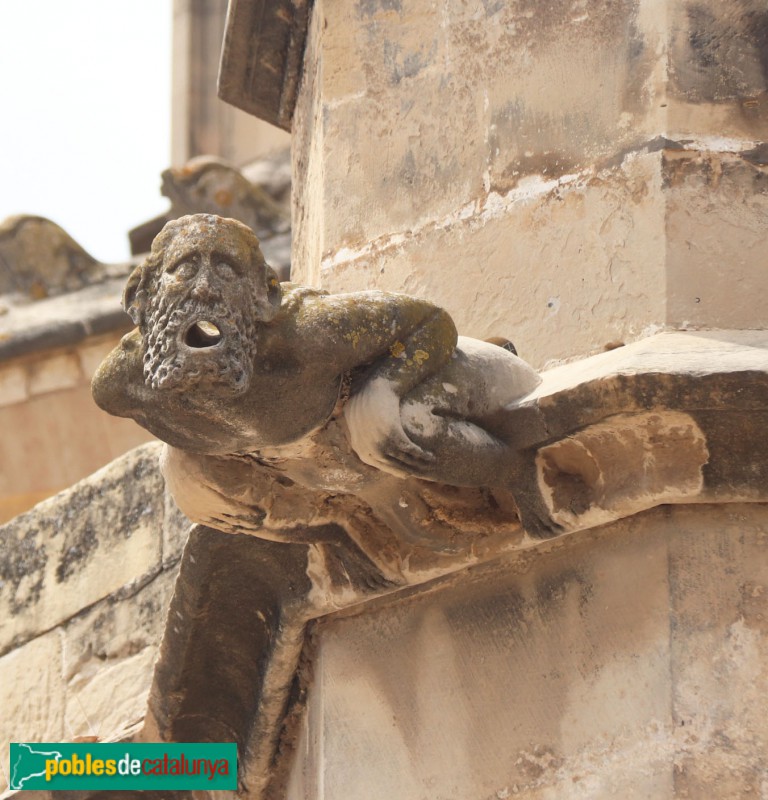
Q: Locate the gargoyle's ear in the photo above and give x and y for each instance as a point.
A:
(129, 294)
(267, 307)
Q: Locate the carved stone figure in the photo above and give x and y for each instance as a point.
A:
(258, 195)
(39, 259)
(370, 448)
(209, 185)
(362, 415)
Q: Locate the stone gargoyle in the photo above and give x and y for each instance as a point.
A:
(373, 449)
(358, 424)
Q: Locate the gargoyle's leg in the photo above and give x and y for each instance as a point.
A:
(231, 647)
(522, 480)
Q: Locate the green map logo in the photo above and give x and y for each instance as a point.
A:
(97, 765)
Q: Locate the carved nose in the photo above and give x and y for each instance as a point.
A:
(201, 289)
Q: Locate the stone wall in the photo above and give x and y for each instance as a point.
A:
(53, 433)
(85, 579)
(628, 661)
(570, 175)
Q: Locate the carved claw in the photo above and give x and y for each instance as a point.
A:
(536, 520)
(407, 462)
(398, 448)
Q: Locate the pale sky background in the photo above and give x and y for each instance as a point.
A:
(85, 106)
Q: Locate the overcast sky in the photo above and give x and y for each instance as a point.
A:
(85, 115)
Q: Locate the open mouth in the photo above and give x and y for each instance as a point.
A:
(202, 334)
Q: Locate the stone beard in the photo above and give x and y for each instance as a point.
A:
(170, 363)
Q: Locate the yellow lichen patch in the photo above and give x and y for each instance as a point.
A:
(397, 349)
(38, 291)
(420, 356)
(354, 337)
(223, 197)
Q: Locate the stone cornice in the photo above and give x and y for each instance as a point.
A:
(679, 417)
(27, 329)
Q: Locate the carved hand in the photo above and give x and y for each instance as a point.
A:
(376, 431)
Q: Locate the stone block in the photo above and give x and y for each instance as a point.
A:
(427, 135)
(92, 353)
(89, 676)
(717, 69)
(55, 373)
(717, 205)
(13, 385)
(628, 662)
(116, 628)
(570, 267)
(514, 266)
(111, 700)
(424, 108)
(81, 546)
(409, 182)
(49, 451)
(719, 646)
(32, 696)
(542, 678)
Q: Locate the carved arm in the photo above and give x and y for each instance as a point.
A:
(402, 341)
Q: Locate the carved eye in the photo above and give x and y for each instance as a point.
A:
(226, 269)
(183, 270)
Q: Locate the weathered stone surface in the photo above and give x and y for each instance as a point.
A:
(586, 194)
(32, 696)
(718, 76)
(628, 662)
(111, 701)
(84, 589)
(262, 56)
(600, 298)
(91, 675)
(81, 546)
(118, 627)
(718, 584)
(42, 451)
(469, 100)
(66, 320)
(234, 632)
(38, 259)
(716, 211)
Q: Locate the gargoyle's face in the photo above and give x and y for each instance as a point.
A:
(204, 300)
